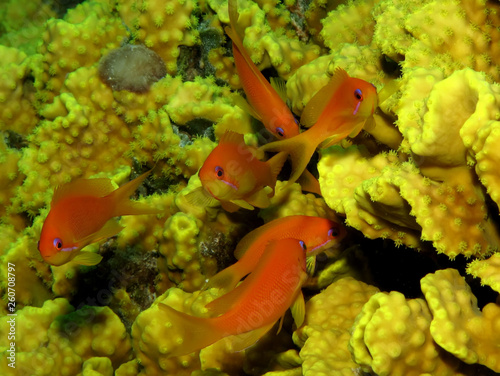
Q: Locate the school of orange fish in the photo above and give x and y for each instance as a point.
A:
(273, 256)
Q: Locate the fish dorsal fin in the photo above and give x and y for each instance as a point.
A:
(226, 279)
(298, 309)
(279, 85)
(225, 302)
(232, 137)
(83, 187)
(317, 104)
(87, 258)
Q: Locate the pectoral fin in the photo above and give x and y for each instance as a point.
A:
(310, 264)
(245, 340)
(259, 199)
(111, 228)
(231, 207)
(242, 204)
(87, 258)
(298, 309)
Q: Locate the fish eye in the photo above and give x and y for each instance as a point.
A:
(333, 232)
(219, 172)
(58, 243)
(358, 94)
(280, 131)
(303, 245)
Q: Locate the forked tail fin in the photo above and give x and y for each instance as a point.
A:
(275, 165)
(121, 198)
(299, 148)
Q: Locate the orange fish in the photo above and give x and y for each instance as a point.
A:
(233, 175)
(80, 214)
(317, 234)
(340, 109)
(254, 305)
(268, 101)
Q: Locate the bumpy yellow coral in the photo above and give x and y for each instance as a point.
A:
(78, 40)
(291, 201)
(153, 337)
(17, 95)
(10, 178)
(351, 185)
(458, 326)
(349, 23)
(325, 334)
(450, 34)
(21, 26)
(162, 26)
(487, 270)
(391, 336)
(284, 52)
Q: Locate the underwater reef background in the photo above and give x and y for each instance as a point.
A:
(412, 290)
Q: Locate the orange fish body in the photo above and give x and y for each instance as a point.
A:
(233, 175)
(80, 214)
(256, 304)
(268, 106)
(317, 234)
(340, 109)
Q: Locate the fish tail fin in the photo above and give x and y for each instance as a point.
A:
(298, 148)
(193, 333)
(123, 205)
(233, 18)
(276, 164)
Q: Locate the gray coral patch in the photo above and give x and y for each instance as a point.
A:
(131, 67)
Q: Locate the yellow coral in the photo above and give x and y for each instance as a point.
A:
(458, 326)
(487, 270)
(391, 336)
(450, 34)
(153, 337)
(291, 201)
(325, 334)
(79, 40)
(351, 185)
(349, 23)
(10, 178)
(162, 26)
(17, 95)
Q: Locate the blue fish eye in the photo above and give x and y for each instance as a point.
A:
(57, 243)
(219, 172)
(280, 131)
(333, 232)
(358, 94)
(303, 245)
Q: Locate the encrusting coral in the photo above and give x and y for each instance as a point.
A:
(423, 182)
